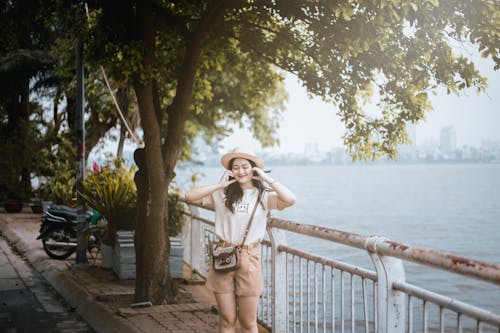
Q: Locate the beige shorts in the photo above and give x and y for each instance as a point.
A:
(246, 281)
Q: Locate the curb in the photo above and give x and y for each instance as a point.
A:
(101, 318)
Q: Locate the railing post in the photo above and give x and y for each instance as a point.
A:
(196, 245)
(278, 281)
(391, 304)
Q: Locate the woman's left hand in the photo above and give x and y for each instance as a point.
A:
(261, 175)
(285, 197)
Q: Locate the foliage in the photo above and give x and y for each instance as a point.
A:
(16, 151)
(176, 209)
(37, 53)
(24, 38)
(58, 165)
(349, 52)
(230, 87)
(111, 190)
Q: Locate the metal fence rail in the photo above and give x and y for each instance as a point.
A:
(304, 292)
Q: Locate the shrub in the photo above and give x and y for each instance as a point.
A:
(111, 191)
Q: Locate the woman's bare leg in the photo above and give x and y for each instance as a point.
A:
(247, 313)
(227, 312)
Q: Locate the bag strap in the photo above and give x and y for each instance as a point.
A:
(251, 219)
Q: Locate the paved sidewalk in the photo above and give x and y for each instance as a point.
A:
(99, 297)
(27, 301)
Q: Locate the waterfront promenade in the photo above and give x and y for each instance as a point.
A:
(303, 292)
(99, 297)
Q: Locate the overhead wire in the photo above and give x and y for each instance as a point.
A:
(120, 113)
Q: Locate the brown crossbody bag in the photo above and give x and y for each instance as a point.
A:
(228, 258)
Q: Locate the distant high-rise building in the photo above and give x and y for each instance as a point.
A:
(448, 140)
(311, 149)
(311, 152)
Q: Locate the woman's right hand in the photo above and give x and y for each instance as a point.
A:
(196, 194)
(225, 181)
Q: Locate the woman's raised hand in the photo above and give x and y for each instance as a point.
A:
(261, 175)
(225, 181)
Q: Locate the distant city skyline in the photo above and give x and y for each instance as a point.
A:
(474, 117)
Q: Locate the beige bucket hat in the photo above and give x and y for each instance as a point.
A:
(239, 152)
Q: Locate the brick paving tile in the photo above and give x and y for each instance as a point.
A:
(185, 320)
(145, 324)
(164, 308)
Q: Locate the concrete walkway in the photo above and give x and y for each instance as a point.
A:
(28, 303)
(99, 297)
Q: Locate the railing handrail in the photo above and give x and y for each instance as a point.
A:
(448, 302)
(443, 260)
(485, 271)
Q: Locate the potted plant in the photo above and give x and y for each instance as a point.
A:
(13, 205)
(176, 212)
(111, 191)
(56, 172)
(36, 206)
(176, 221)
(13, 196)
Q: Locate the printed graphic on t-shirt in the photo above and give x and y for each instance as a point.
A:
(242, 208)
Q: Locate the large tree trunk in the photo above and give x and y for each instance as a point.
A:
(179, 111)
(152, 245)
(152, 249)
(152, 260)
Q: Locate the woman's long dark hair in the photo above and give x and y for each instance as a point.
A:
(234, 193)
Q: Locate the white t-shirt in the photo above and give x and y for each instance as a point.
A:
(229, 226)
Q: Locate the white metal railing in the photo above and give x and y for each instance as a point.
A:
(304, 292)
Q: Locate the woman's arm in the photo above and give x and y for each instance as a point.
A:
(196, 194)
(286, 198)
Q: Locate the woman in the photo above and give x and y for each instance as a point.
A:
(234, 197)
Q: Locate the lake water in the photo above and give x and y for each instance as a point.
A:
(450, 207)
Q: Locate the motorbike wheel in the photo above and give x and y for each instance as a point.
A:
(93, 246)
(59, 243)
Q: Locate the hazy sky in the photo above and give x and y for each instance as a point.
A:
(474, 117)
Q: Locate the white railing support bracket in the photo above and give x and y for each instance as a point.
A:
(391, 304)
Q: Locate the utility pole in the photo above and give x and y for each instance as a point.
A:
(81, 251)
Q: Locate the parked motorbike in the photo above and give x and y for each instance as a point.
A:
(58, 231)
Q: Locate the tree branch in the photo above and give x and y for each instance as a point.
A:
(180, 21)
(179, 110)
(156, 102)
(294, 45)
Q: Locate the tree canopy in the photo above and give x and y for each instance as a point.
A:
(396, 52)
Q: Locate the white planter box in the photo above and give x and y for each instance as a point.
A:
(176, 258)
(124, 255)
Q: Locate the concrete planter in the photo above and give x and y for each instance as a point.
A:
(124, 255)
(176, 258)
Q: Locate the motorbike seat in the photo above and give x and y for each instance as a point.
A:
(49, 217)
